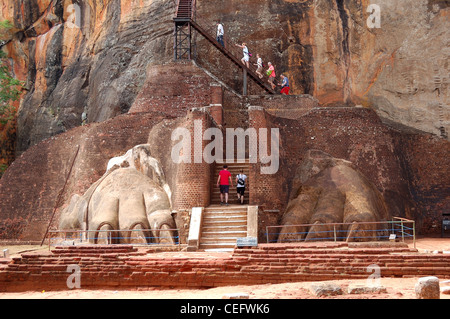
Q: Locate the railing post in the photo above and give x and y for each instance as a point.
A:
(403, 231)
(245, 84)
(334, 231)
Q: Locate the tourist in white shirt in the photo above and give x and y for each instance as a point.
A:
(220, 33)
(259, 64)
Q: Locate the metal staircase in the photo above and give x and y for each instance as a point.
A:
(186, 19)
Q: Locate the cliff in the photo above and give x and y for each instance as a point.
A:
(89, 56)
(106, 63)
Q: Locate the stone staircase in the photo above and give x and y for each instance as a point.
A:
(235, 169)
(222, 225)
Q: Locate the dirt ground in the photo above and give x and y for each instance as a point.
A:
(396, 288)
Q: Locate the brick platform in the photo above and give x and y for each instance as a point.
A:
(125, 267)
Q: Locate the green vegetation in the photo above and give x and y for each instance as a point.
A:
(10, 90)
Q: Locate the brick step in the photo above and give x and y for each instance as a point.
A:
(46, 271)
(362, 251)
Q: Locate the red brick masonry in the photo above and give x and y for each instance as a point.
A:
(129, 267)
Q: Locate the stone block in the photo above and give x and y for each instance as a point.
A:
(236, 296)
(360, 289)
(325, 289)
(427, 288)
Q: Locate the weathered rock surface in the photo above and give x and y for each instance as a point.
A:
(427, 288)
(133, 195)
(330, 190)
(87, 57)
(360, 289)
(82, 57)
(320, 289)
(328, 50)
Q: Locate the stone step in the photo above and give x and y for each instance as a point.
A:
(226, 208)
(224, 228)
(223, 234)
(221, 240)
(226, 211)
(232, 222)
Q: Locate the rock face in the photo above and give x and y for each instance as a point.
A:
(82, 57)
(330, 51)
(87, 57)
(330, 190)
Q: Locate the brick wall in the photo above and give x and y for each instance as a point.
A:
(409, 170)
(173, 89)
(194, 179)
(285, 106)
(426, 162)
(126, 267)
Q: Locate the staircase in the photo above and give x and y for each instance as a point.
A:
(235, 169)
(184, 9)
(222, 226)
(186, 14)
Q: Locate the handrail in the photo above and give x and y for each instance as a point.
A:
(230, 46)
(209, 30)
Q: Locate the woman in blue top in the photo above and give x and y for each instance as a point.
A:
(284, 85)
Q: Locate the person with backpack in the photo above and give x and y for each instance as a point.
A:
(240, 186)
(224, 181)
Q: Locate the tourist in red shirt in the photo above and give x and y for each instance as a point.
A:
(224, 181)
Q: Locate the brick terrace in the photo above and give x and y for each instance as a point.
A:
(125, 267)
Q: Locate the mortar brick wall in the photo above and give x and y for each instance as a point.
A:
(194, 178)
(174, 89)
(127, 267)
(426, 161)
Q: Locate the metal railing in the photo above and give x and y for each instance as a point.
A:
(398, 228)
(136, 237)
(209, 29)
(230, 44)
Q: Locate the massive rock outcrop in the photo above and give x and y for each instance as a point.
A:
(87, 57)
(82, 57)
(328, 49)
(87, 60)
